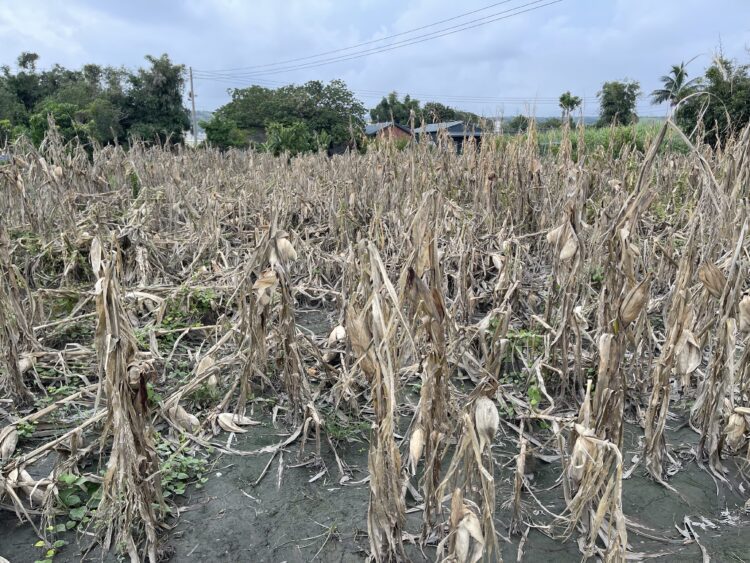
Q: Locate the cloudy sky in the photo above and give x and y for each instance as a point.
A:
(521, 61)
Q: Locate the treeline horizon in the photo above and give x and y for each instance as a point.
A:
(100, 105)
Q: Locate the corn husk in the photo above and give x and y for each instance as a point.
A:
(21, 478)
(95, 255)
(565, 240)
(338, 334)
(486, 421)
(286, 252)
(212, 382)
(605, 353)
(463, 544)
(583, 450)
(264, 286)
(470, 528)
(8, 442)
(206, 363)
(634, 301)
(712, 278)
(184, 419)
(744, 308)
(688, 353)
(416, 446)
(735, 430)
(231, 422)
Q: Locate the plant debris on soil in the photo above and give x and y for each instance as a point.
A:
(416, 355)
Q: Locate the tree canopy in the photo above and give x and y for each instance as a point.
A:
(402, 111)
(94, 104)
(675, 86)
(568, 104)
(314, 110)
(722, 102)
(617, 102)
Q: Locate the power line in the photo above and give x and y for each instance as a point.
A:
(350, 47)
(451, 98)
(529, 7)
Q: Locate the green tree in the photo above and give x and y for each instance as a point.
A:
(25, 83)
(435, 112)
(568, 104)
(223, 133)
(323, 108)
(675, 86)
(66, 118)
(518, 124)
(154, 110)
(11, 108)
(391, 108)
(6, 132)
(27, 61)
(725, 106)
(549, 124)
(294, 139)
(102, 121)
(617, 103)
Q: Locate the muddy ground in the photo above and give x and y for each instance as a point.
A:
(302, 511)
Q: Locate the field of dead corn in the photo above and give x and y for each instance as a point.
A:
(479, 321)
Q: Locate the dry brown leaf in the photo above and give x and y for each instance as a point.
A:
(231, 422)
(8, 442)
(96, 255)
(744, 307)
(688, 353)
(206, 363)
(712, 278)
(634, 301)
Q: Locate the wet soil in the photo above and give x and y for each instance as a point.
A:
(302, 510)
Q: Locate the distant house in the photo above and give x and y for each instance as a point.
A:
(388, 130)
(459, 131)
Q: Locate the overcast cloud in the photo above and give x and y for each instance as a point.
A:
(572, 45)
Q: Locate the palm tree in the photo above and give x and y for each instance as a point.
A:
(676, 86)
(568, 103)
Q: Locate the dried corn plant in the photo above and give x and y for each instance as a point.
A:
(370, 323)
(132, 500)
(708, 412)
(679, 352)
(427, 309)
(470, 478)
(515, 271)
(16, 336)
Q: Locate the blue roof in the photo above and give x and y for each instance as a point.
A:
(375, 128)
(453, 128)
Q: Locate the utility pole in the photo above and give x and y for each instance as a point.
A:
(192, 99)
